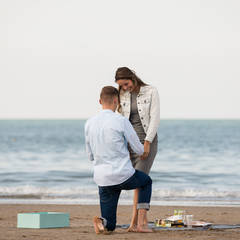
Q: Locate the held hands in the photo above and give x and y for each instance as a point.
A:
(146, 150)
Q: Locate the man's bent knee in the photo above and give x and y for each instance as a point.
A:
(111, 226)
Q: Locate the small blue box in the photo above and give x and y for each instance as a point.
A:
(43, 220)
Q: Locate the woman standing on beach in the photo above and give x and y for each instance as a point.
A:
(139, 102)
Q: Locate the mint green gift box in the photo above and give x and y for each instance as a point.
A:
(43, 220)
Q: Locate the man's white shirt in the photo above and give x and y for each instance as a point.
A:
(107, 136)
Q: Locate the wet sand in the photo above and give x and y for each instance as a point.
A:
(81, 223)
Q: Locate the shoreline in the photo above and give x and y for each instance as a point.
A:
(81, 222)
(165, 203)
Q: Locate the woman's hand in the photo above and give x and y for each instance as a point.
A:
(146, 150)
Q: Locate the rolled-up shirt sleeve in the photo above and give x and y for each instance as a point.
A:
(132, 138)
(87, 144)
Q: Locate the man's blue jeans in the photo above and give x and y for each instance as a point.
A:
(109, 196)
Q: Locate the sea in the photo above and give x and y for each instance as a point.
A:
(44, 161)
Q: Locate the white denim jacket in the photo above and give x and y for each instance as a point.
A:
(148, 105)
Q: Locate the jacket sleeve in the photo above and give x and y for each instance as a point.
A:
(154, 116)
(132, 137)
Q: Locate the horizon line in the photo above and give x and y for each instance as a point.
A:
(2, 119)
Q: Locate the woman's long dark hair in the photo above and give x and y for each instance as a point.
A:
(126, 73)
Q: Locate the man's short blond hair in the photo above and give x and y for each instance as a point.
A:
(108, 94)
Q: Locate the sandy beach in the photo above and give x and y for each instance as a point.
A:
(81, 223)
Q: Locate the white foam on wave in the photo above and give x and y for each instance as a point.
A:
(90, 192)
(195, 193)
(47, 192)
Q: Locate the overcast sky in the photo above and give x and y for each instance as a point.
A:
(55, 56)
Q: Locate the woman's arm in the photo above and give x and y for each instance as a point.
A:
(146, 150)
(154, 116)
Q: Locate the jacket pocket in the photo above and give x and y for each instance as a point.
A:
(146, 101)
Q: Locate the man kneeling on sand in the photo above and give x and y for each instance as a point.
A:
(107, 135)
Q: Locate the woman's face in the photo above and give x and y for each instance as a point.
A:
(126, 84)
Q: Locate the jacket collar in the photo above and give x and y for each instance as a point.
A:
(142, 90)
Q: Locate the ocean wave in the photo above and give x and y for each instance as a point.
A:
(35, 192)
(195, 193)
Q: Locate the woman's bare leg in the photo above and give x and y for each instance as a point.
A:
(145, 221)
(142, 218)
(134, 221)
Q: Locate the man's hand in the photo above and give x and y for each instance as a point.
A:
(146, 150)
